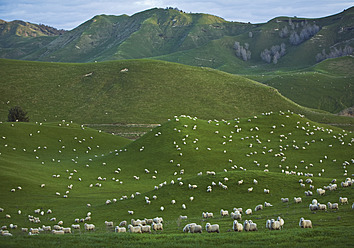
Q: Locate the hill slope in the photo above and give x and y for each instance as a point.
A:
(201, 39)
(270, 148)
(136, 91)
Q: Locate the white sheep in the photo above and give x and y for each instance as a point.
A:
(89, 227)
(248, 211)
(118, 229)
(58, 232)
(297, 199)
(332, 205)
(157, 226)
(275, 225)
(75, 226)
(236, 215)
(313, 207)
(258, 207)
(123, 223)
(212, 228)
(224, 212)
(145, 229)
(109, 223)
(250, 189)
(67, 230)
(134, 229)
(281, 220)
(343, 200)
(285, 200)
(237, 227)
(321, 206)
(305, 223)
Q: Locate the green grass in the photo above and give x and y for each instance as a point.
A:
(22, 168)
(148, 93)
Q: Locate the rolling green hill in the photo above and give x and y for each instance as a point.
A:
(136, 91)
(269, 147)
(198, 39)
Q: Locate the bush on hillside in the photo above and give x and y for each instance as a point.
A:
(17, 114)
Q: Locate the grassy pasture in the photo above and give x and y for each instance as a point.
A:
(279, 138)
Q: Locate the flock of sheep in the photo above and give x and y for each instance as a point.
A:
(179, 176)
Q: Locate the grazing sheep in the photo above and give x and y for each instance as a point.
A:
(109, 223)
(253, 226)
(313, 207)
(186, 228)
(224, 212)
(321, 206)
(281, 220)
(250, 189)
(58, 232)
(305, 223)
(183, 217)
(275, 225)
(67, 230)
(118, 229)
(266, 191)
(237, 227)
(258, 207)
(236, 215)
(75, 226)
(134, 229)
(145, 229)
(285, 200)
(89, 227)
(297, 199)
(57, 227)
(24, 229)
(34, 230)
(320, 191)
(123, 223)
(46, 228)
(196, 229)
(248, 211)
(212, 228)
(157, 226)
(332, 205)
(157, 220)
(343, 200)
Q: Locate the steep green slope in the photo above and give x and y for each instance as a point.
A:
(328, 86)
(136, 91)
(266, 147)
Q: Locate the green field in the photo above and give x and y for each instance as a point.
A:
(239, 149)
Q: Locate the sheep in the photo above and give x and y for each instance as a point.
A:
(24, 229)
(46, 228)
(320, 191)
(343, 200)
(186, 228)
(267, 204)
(57, 227)
(158, 220)
(248, 211)
(134, 229)
(145, 229)
(258, 207)
(148, 221)
(266, 191)
(118, 229)
(58, 232)
(332, 206)
(89, 227)
(236, 215)
(224, 213)
(305, 223)
(34, 230)
(67, 230)
(184, 206)
(237, 227)
(212, 228)
(321, 206)
(275, 225)
(157, 226)
(250, 189)
(75, 226)
(284, 200)
(353, 205)
(281, 220)
(268, 226)
(123, 223)
(297, 199)
(196, 229)
(109, 223)
(130, 212)
(183, 217)
(248, 225)
(173, 202)
(313, 207)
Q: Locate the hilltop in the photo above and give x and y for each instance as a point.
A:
(197, 39)
(137, 91)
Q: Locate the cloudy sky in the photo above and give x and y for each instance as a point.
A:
(68, 14)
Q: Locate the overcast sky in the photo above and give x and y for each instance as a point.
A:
(68, 14)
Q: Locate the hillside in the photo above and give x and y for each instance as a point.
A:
(136, 91)
(329, 85)
(270, 147)
(201, 40)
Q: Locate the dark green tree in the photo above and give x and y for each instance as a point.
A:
(17, 114)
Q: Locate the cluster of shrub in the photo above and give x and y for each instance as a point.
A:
(334, 53)
(298, 33)
(274, 53)
(242, 52)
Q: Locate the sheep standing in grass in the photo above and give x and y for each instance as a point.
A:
(248, 211)
(275, 225)
(224, 212)
(118, 229)
(145, 229)
(237, 227)
(134, 229)
(343, 200)
(297, 199)
(305, 223)
(89, 227)
(284, 200)
(212, 228)
(123, 223)
(109, 223)
(58, 232)
(75, 226)
(157, 226)
(258, 207)
(332, 205)
(281, 221)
